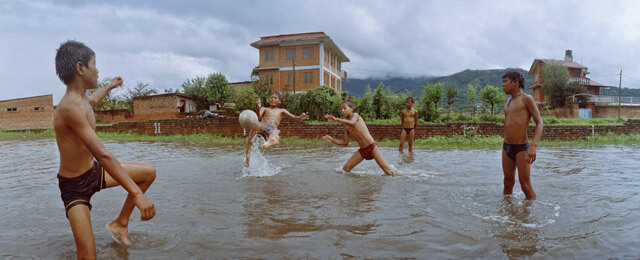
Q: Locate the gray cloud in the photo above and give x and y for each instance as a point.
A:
(163, 43)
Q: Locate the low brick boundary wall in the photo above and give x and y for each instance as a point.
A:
(230, 127)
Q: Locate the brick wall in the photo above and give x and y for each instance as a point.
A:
(27, 112)
(112, 116)
(163, 103)
(231, 127)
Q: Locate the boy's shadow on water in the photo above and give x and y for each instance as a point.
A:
(519, 233)
(275, 208)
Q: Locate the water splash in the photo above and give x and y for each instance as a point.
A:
(259, 166)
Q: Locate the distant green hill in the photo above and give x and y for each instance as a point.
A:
(459, 81)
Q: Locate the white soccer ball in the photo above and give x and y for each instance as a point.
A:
(248, 119)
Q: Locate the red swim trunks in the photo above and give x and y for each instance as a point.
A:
(367, 152)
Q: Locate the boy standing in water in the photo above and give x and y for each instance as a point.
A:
(354, 125)
(516, 152)
(409, 117)
(85, 165)
(269, 118)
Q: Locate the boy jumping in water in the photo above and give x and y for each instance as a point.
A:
(85, 165)
(409, 117)
(354, 125)
(517, 153)
(269, 118)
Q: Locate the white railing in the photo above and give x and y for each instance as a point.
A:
(607, 100)
(583, 81)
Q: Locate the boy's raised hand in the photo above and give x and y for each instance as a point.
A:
(330, 118)
(116, 82)
(304, 116)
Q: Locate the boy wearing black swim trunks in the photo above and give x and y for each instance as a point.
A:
(409, 118)
(517, 153)
(85, 165)
(355, 126)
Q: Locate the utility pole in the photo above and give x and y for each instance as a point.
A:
(293, 63)
(619, 94)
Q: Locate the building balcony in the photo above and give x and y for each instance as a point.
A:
(604, 100)
(581, 80)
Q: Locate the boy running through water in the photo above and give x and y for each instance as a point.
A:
(269, 118)
(516, 152)
(85, 165)
(409, 118)
(354, 125)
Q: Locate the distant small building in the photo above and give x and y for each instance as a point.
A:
(28, 112)
(163, 106)
(300, 62)
(577, 73)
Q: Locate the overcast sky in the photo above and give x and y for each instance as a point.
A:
(163, 43)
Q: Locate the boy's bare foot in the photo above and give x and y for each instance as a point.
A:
(119, 233)
(271, 142)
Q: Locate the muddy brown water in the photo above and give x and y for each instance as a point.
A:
(294, 202)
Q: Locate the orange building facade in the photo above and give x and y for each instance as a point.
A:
(577, 73)
(300, 62)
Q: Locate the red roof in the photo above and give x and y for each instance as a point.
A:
(275, 39)
(300, 37)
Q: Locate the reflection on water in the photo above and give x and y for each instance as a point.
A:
(447, 204)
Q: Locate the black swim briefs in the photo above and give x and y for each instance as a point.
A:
(513, 149)
(78, 190)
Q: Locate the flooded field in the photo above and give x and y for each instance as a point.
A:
(448, 204)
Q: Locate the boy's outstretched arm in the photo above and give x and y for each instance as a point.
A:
(95, 98)
(351, 122)
(343, 142)
(303, 116)
(80, 125)
(530, 154)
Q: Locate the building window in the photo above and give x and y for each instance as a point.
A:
(291, 54)
(308, 77)
(38, 108)
(12, 109)
(289, 78)
(268, 55)
(535, 93)
(308, 53)
(268, 79)
(537, 77)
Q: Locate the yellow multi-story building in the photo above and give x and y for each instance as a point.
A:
(300, 62)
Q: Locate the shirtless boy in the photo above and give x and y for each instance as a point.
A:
(270, 118)
(409, 117)
(354, 125)
(85, 165)
(516, 152)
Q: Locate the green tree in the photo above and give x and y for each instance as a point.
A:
(556, 86)
(217, 88)
(363, 105)
(492, 96)
(379, 102)
(140, 90)
(244, 98)
(318, 102)
(451, 95)
(472, 98)
(431, 96)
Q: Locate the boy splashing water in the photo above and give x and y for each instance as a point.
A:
(270, 121)
(354, 125)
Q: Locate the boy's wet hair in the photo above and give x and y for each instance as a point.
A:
(514, 75)
(68, 55)
(277, 93)
(348, 103)
(409, 99)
